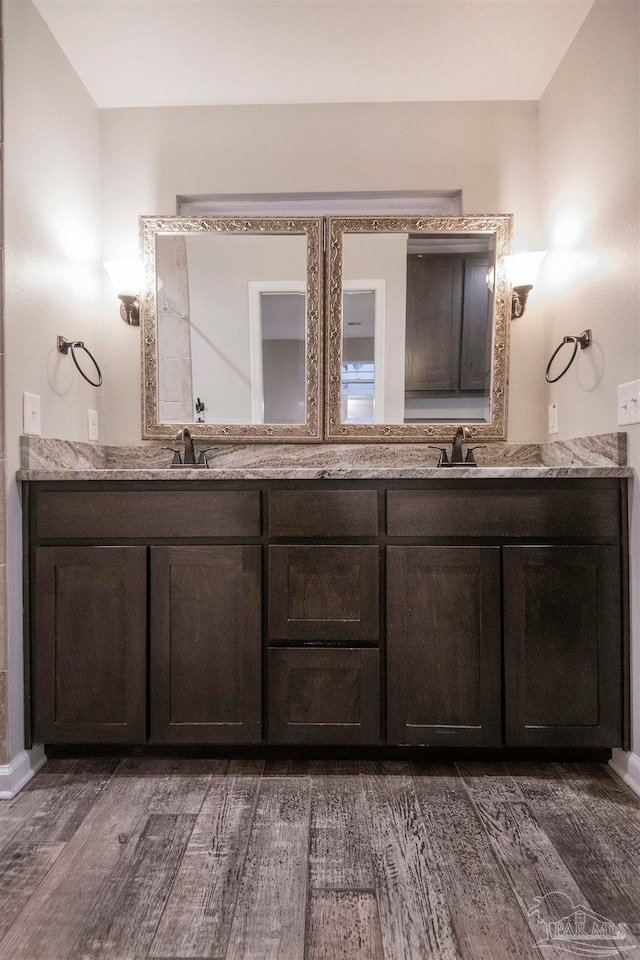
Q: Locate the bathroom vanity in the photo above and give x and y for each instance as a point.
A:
(335, 587)
(406, 607)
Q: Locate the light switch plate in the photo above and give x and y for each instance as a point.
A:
(553, 418)
(92, 425)
(31, 414)
(629, 402)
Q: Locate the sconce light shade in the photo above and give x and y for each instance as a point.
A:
(522, 271)
(522, 268)
(126, 277)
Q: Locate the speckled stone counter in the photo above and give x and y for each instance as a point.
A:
(51, 460)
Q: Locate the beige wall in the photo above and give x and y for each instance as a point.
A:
(589, 161)
(53, 284)
(222, 268)
(489, 149)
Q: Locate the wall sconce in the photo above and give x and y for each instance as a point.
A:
(126, 276)
(522, 271)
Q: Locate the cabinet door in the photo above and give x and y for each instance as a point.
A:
(563, 646)
(206, 644)
(434, 315)
(329, 696)
(443, 646)
(323, 593)
(477, 326)
(89, 644)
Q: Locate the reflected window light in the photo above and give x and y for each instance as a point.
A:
(358, 392)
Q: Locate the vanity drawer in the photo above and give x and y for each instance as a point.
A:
(323, 593)
(529, 510)
(323, 513)
(324, 696)
(105, 514)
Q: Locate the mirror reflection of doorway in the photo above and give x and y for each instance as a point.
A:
(277, 318)
(363, 351)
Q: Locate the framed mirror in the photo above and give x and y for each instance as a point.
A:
(231, 317)
(418, 328)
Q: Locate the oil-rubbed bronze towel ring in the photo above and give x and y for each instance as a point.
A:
(64, 346)
(583, 341)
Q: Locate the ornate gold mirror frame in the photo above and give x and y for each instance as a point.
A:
(496, 427)
(309, 431)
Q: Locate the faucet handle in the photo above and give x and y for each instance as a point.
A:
(444, 457)
(202, 456)
(176, 455)
(470, 457)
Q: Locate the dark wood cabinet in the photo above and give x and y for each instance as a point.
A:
(323, 592)
(448, 325)
(562, 646)
(324, 696)
(443, 641)
(206, 644)
(434, 319)
(89, 644)
(437, 613)
(477, 328)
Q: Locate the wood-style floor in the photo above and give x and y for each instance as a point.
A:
(313, 861)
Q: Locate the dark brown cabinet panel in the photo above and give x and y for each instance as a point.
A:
(323, 592)
(477, 329)
(89, 644)
(449, 328)
(522, 509)
(206, 643)
(563, 646)
(434, 313)
(443, 646)
(324, 696)
(323, 513)
(148, 513)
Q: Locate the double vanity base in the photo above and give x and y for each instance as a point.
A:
(379, 613)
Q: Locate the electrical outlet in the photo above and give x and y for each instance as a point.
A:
(92, 423)
(553, 418)
(31, 414)
(629, 402)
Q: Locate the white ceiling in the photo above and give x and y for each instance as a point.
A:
(134, 53)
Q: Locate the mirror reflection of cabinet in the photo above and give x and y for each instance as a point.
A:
(430, 351)
(448, 331)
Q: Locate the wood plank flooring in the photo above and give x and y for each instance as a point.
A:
(316, 860)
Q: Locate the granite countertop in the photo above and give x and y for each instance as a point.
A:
(328, 473)
(50, 460)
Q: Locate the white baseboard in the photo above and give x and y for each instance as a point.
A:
(14, 775)
(627, 767)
